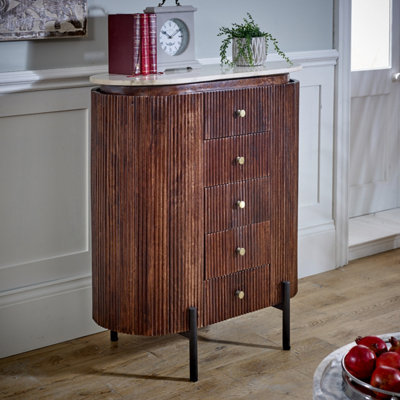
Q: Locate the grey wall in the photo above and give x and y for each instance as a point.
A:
(299, 25)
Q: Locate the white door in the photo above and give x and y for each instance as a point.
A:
(374, 175)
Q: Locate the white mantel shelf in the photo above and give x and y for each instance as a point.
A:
(205, 73)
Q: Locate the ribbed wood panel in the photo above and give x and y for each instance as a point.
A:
(222, 211)
(221, 120)
(129, 213)
(291, 181)
(284, 178)
(222, 258)
(220, 158)
(150, 158)
(186, 208)
(291, 129)
(111, 267)
(147, 212)
(220, 302)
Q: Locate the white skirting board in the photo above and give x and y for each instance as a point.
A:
(374, 247)
(45, 284)
(316, 250)
(38, 317)
(374, 233)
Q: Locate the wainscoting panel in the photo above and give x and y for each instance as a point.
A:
(309, 145)
(44, 218)
(316, 146)
(43, 170)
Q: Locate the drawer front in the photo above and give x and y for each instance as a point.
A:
(237, 249)
(224, 207)
(236, 158)
(221, 300)
(221, 117)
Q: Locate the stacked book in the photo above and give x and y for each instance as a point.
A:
(132, 44)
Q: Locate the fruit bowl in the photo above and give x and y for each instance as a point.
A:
(357, 389)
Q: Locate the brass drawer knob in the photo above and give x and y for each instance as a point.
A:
(241, 204)
(239, 294)
(241, 113)
(241, 251)
(240, 160)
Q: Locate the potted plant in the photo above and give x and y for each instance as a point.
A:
(249, 44)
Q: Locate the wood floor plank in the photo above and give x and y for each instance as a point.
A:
(239, 358)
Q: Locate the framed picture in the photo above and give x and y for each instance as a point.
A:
(42, 19)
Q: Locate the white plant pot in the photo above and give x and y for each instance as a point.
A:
(257, 49)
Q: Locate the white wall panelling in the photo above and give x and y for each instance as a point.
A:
(39, 317)
(44, 218)
(60, 78)
(45, 284)
(316, 223)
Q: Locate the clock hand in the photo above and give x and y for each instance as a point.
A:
(174, 34)
(165, 33)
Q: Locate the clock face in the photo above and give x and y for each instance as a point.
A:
(174, 37)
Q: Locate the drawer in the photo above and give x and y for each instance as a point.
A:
(222, 210)
(237, 249)
(221, 117)
(236, 158)
(221, 295)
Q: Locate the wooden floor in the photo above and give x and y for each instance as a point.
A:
(240, 358)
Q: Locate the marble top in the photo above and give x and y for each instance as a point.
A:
(205, 73)
(328, 381)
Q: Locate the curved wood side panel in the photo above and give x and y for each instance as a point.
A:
(130, 214)
(284, 181)
(147, 212)
(291, 130)
(111, 297)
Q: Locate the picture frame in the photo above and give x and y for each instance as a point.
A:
(44, 19)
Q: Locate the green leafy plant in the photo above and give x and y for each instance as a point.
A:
(247, 30)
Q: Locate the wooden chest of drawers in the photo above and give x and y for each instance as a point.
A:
(194, 201)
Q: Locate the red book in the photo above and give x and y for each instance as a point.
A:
(136, 45)
(153, 43)
(145, 44)
(124, 44)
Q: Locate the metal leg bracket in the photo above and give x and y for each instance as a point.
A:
(193, 344)
(285, 308)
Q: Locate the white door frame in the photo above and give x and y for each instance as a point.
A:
(342, 43)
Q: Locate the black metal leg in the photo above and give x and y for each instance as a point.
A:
(286, 316)
(193, 344)
(114, 336)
